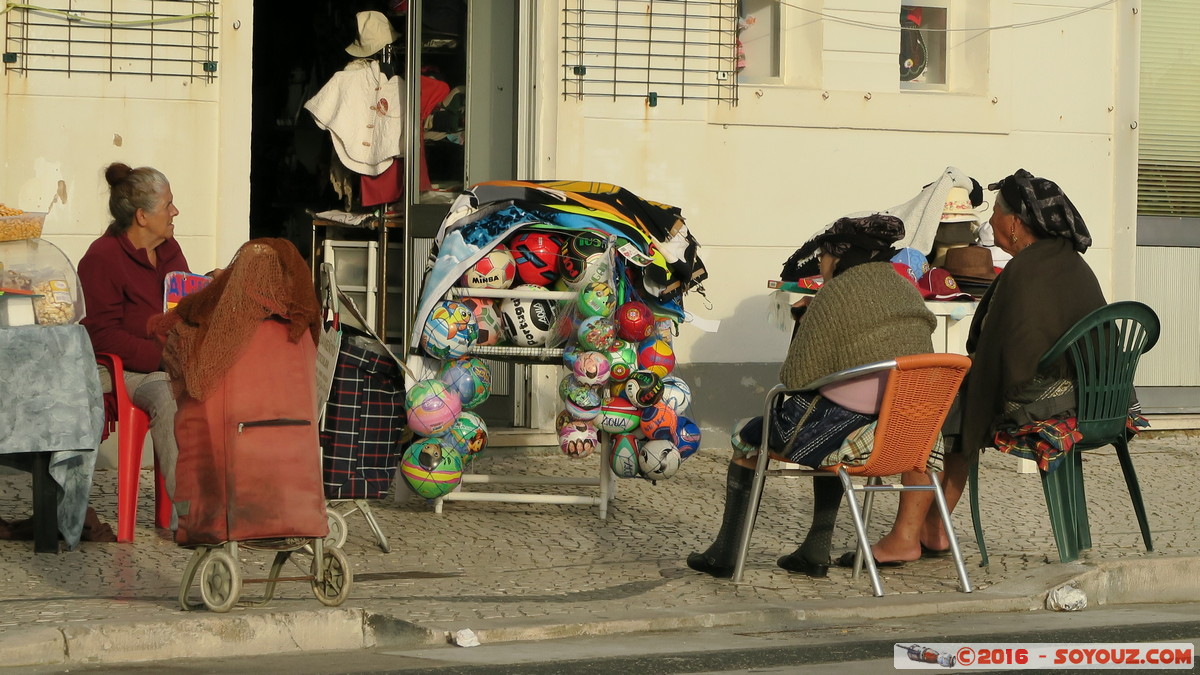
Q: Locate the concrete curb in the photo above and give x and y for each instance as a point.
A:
(1106, 583)
(1160, 580)
(200, 636)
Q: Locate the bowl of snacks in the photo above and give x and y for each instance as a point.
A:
(17, 224)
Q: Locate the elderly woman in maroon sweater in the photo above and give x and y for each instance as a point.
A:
(122, 277)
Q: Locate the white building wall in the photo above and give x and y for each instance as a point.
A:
(756, 180)
(58, 132)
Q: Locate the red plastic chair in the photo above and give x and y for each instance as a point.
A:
(131, 426)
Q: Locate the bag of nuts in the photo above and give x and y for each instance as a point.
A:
(56, 305)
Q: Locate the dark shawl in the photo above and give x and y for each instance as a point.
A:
(854, 240)
(1042, 292)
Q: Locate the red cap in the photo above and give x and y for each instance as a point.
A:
(939, 285)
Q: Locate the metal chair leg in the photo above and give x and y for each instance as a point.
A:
(868, 501)
(940, 497)
(760, 476)
(864, 544)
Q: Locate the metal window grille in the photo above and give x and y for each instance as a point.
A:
(146, 38)
(654, 49)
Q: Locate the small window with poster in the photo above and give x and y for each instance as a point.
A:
(923, 54)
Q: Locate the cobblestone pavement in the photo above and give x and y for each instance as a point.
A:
(546, 564)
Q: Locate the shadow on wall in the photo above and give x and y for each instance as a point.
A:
(722, 392)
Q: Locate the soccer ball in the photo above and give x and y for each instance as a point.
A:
(578, 439)
(659, 421)
(470, 377)
(536, 254)
(591, 368)
(596, 333)
(450, 330)
(432, 407)
(561, 420)
(567, 385)
(676, 393)
(584, 259)
(527, 322)
(497, 269)
(430, 468)
(618, 416)
(584, 403)
(635, 321)
(658, 459)
(487, 318)
(468, 436)
(597, 299)
(687, 437)
(622, 359)
(656, 355)
(625, 456)
(643, 388)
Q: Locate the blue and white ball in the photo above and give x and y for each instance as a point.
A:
(687, 437)
(676, 393)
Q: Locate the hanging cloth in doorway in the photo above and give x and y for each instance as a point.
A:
(364, 113)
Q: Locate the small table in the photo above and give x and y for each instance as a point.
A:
(50, 423)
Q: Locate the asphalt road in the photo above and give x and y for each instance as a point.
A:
(811, 647)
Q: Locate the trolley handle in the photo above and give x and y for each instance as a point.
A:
(281, 422)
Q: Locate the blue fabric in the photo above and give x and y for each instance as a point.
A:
(822, 433)
(52, 403)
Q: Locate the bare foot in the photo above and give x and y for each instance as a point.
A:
(933, 535)
(891, 548)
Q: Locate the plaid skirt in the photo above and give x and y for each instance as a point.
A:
(804, 429)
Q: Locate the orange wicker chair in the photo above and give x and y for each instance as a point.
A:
(919, 391)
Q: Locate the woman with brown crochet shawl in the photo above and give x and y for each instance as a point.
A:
(208, 329)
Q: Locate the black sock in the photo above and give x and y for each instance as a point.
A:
(827, 499)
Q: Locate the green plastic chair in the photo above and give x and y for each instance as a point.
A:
(1104, 348)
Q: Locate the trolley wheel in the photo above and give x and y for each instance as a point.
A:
(331, 577)
(337, 529)
(220, 581)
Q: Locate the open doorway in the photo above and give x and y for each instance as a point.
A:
(468, 52)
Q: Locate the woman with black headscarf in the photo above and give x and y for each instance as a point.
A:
(1043, 291)
(865, 312)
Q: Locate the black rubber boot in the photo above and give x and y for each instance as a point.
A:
(812, 558)
(719, 559)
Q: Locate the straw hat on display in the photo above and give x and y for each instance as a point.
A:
(957, 226)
